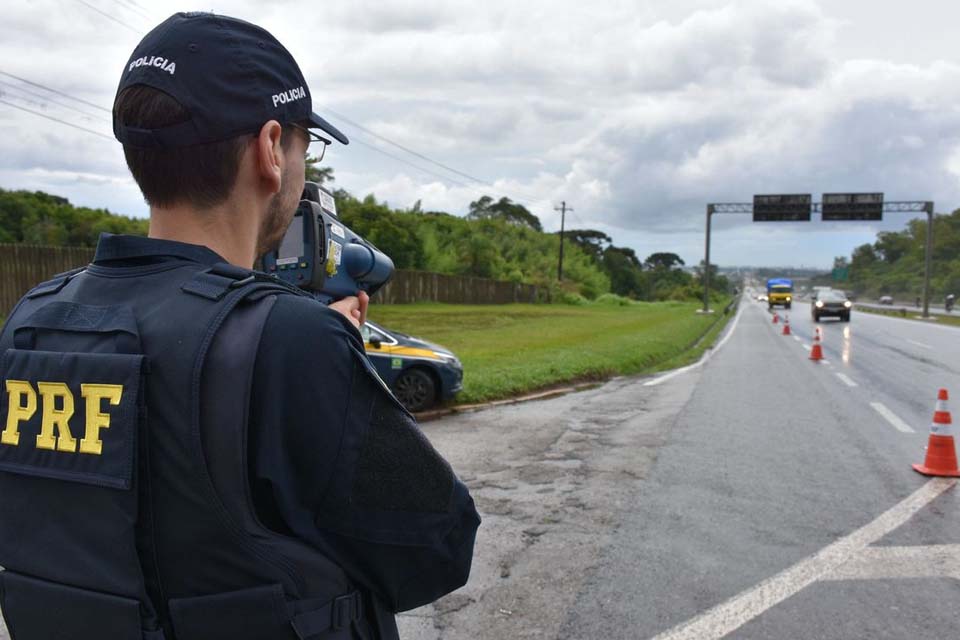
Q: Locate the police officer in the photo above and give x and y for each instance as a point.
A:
(192, 450)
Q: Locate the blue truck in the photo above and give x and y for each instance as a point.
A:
(779, 291)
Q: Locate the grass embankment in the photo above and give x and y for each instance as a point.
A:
(911, 314)
(512, 349)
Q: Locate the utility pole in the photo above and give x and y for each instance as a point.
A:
(927, 259)
(706, 264)
(563, 208)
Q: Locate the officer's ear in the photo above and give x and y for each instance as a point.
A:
(269, 155)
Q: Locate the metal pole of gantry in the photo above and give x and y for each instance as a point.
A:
(706, 264)
(927, 259)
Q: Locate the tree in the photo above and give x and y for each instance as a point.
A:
(314, 173)
(892, 245)
(624, 269)
(503, 209)
(590, 240)
(663, 260)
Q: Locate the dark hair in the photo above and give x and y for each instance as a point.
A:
(202, 175)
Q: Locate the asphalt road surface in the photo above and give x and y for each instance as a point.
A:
(758, 495)
(907, 309)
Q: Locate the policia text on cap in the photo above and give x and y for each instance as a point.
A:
(192, 450)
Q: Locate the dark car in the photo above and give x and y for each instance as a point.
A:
(419, 372)
(830, 302)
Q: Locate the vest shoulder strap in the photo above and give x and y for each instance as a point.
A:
(215, 282)
(55, 284)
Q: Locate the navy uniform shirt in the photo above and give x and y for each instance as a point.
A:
(333, 459)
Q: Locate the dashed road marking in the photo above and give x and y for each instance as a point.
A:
(919, 344)
(724, 618)
(891, 417)
(846, 379)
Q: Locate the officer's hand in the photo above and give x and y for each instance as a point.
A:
(353, 308)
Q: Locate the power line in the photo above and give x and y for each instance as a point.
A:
(43, 115)
(361, 142)
(400, 146)
(129, 6)
(422, 156)
(136, 4)
(59, 93)
(110, 17)
(416, 166)
(43, 97)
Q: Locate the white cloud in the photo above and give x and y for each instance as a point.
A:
(637, 114)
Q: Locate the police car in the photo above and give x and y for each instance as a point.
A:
(419, 372)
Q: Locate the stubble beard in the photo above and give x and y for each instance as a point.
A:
(279, 216)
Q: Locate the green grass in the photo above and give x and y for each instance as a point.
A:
(512, 349)
(911, 314)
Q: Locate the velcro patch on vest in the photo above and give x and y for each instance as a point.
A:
(70, 416)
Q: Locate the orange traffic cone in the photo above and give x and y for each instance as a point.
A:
(786, 325)
(816, 351)
(776, 318)
(941, 452)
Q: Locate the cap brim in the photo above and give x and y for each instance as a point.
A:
(320, 123)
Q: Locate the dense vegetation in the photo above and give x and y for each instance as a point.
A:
(894, 264)
(497, 239)
(34, 217)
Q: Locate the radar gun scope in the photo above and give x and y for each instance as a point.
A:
(321, 255)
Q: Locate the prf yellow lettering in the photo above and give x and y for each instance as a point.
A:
(21, 405)
(94, 394)
(55, 426)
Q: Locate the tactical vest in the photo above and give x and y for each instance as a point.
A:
(125, 510)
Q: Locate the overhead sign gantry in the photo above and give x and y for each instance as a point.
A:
(833, 207)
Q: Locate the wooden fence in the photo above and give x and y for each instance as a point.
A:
(423, 286)
(23, 266)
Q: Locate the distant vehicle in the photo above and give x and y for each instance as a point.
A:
(830, 303)
(948, 303)
(779, 291)
(420, 373)
(886, 300)
(762, 298)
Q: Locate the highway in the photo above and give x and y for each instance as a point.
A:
(755, 495)
(761, 495)
(776, 457)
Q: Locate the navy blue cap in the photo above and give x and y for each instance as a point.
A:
(230, 75)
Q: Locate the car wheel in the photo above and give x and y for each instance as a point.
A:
(846, 317)
(788, 305)
(816, 318)
(415, 389)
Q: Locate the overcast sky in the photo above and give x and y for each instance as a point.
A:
(635, 113)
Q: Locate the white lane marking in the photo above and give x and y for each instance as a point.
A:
(805, 346)
(884, 563)
(797, 338)
(846, 379)
(919, 344)
(891, 417)
(701, 361)
(722, 619)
